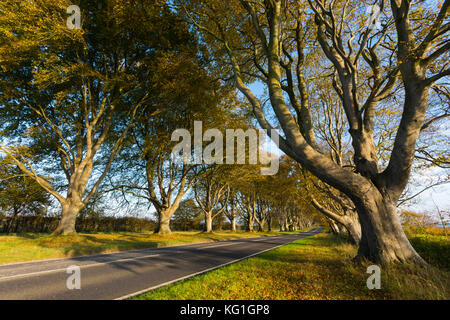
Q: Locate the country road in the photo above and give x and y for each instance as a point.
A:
(124, 274)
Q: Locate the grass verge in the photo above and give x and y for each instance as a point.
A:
(313, 268)
(30, 246)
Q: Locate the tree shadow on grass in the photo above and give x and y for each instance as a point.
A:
(95, 245)
(24, 235)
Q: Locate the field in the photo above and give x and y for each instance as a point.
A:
(316, 268)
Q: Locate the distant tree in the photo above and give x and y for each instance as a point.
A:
(19, 194)
(415, 221)
(230, 211)
(208, 191)
(188, 216)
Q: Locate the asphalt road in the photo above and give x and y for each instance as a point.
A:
(124, 274)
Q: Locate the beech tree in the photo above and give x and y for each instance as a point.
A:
(230, 209)
(153, 173)
(264, 41)
(208, 191)
(188, 216)
(173, 180)
(247, 186)
(330, 126)
(247, 206)
(69, 97)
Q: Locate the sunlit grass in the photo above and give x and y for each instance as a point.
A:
(313, 268)
(30, 246)
(433, 248)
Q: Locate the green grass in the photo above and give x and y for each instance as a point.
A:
(319, 267)
(434, 249)
(30, 246)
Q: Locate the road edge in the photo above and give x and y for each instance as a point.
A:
(206, 270)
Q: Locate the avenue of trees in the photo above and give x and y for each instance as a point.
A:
(283, 44)
(87, 115)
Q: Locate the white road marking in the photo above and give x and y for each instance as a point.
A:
(200, 272)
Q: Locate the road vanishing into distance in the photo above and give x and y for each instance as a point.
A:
(125, 274)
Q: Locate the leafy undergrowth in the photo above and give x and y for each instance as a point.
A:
(320, 267)
(30, 246)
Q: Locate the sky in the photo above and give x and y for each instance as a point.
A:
(438, 195)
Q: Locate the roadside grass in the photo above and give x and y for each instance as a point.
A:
(434, 249)
(318, 267)
(31, 246)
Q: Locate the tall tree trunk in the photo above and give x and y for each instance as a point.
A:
(17, 224)
(163, 226)
(285, 225)
(12, 220)
(250, 223)
(383, 239)
(261, 225)
(208, 221)
(69, 213)
(233, 224)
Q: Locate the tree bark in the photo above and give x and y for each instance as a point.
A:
(383, 239)
(286, 225)
(261, 225)
(69, 215)
(354, 231)
(233, 224)
(12, 220)
(163, 226)
(349, 222)
(250, 223)
(208, 222)
(333, 226)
